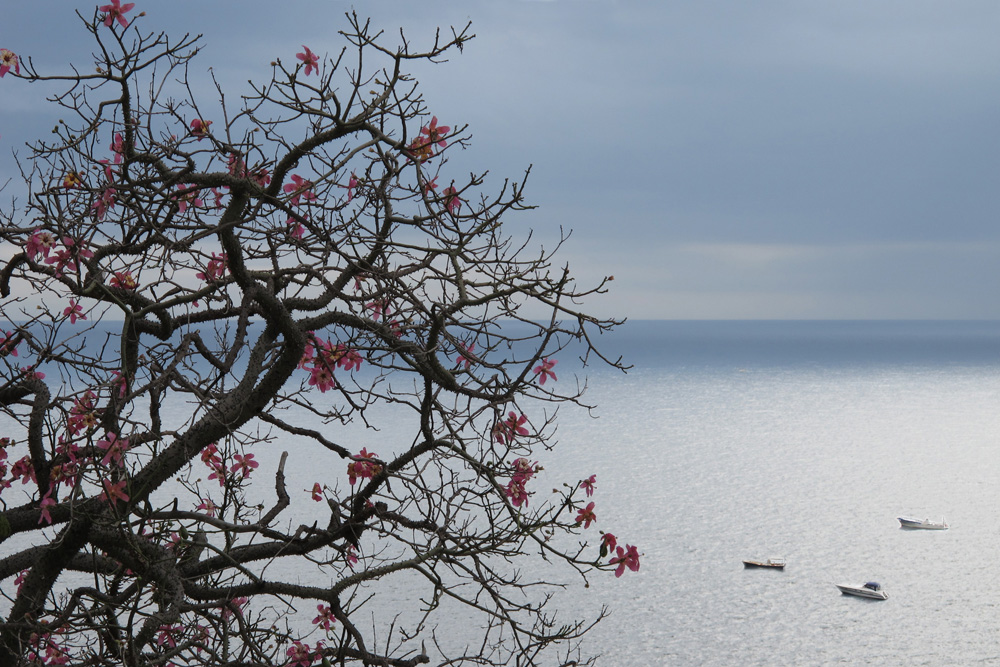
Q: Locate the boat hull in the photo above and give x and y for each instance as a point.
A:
(768, 564)
(921, 524)
(862, 592)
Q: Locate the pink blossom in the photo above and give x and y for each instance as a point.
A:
(74, 312)
(215, 270)
(199, 128)
(321, 378)
(8, 61)
(116, 11)
(309, 59)
(168, 634)
(378, 308)
(188, 196)
(301, 189)
(349, 555)
(586, 515)
(114, 448)
(351, 184)
(429, 186)
(124, 280)
(507, 430)
(244, 464)
(118, 147)
(588, 485)
(325, 618)
(451, 199)
(545, 370)
(524, 469)
(236, 604)
(465, 356)
(435, 134)
(295, 229)
(7, 346)
(516, 492)
(317, 492)
(104, 203)
(46, 503)
(299, 655)
(40, 242)
(208, 507)
(627, 557)
(362, 468)
(113, 492)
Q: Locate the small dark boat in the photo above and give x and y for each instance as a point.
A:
(775, 563)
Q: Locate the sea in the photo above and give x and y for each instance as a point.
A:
(732, 440)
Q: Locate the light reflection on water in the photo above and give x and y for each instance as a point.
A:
(711, 466)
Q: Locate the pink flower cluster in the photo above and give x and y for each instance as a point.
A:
(44, 243)
(322, 358)
(215, 270)
(300, 655)
(523, 470)
(363, 467)
(432, 135)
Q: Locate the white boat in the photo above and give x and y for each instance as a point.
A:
(872, 590)
(776, 563)
(924, 524)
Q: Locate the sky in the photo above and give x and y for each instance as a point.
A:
(722, 160)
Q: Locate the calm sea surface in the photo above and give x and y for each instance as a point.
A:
(805, 440)
(733, 440)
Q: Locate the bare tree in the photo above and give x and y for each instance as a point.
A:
(223, 281)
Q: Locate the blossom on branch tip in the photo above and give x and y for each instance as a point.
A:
(309, 59)
(586, 515)
(317, 492)
(505, 431)
(9, 61)
(116, 11)
(325, 618)
(74, 312)
(544, 370)
(627, 557)
(301, 188)
(588, 485)
(199, 128)
(435, 134)
(244, 464)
